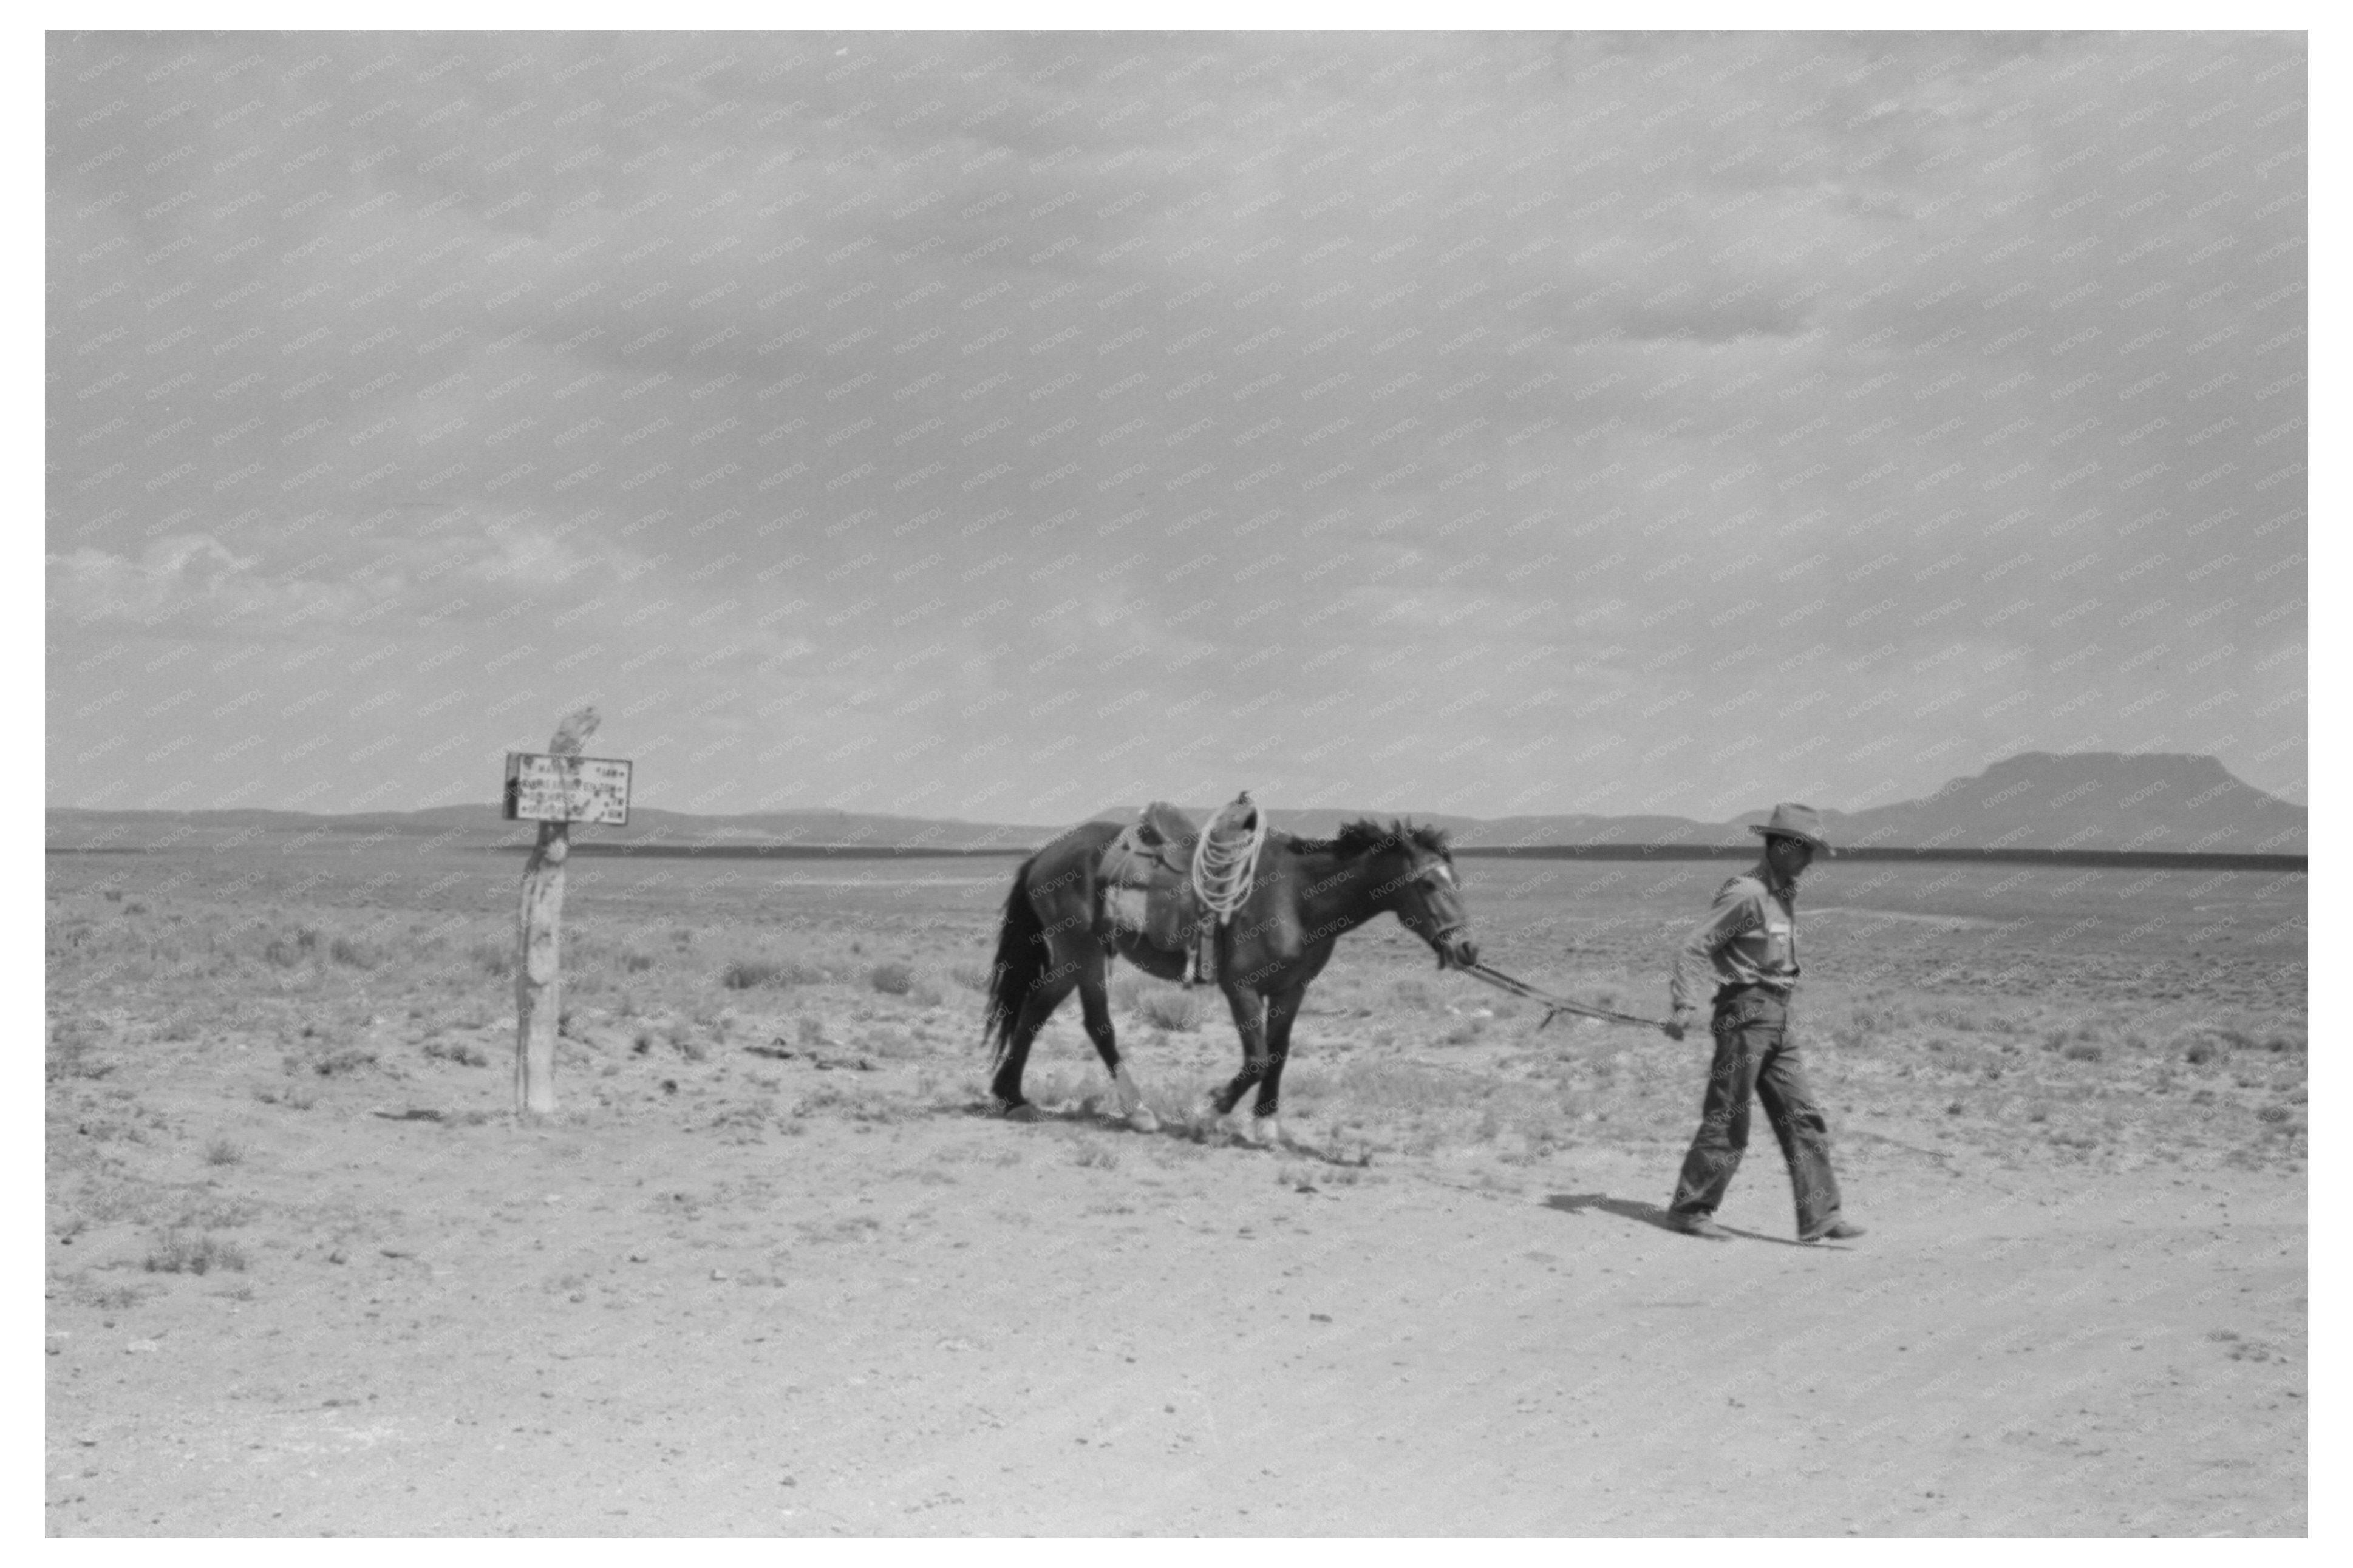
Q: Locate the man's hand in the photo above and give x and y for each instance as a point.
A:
(1675, 1025)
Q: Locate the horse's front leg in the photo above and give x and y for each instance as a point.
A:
(1096, 1003)
(1249, 1010)
(1281, 1008)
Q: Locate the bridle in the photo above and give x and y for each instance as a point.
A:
(1437, 874)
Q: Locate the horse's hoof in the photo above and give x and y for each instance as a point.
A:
(1142, 1120)
(1024, 1111)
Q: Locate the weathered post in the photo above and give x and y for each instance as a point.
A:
(539, 933)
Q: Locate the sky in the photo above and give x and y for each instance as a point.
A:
(1008, 426)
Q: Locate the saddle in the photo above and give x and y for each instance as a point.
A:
(1146, 874)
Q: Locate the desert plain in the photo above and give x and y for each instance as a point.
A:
(776, 1268)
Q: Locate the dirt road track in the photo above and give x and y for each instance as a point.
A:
(955, 1326)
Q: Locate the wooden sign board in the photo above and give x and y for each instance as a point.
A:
(542, 788)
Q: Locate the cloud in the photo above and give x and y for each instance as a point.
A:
(960, 382)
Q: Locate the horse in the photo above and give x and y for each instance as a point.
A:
(1057, 935)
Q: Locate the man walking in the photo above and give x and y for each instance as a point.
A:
(1748, 947)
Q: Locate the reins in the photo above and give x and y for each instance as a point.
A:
(1551, 1003)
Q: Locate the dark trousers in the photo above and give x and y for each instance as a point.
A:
(1752, 1055)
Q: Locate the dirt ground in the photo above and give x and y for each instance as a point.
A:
(773, 1270)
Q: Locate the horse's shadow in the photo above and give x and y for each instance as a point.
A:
(1184, 1128)
(1648, 1213)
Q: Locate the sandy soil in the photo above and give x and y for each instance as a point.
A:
(777, 1273)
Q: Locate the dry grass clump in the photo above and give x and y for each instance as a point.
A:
(332, 1063)
(1415, 996)
(353, 954)
(181, 1254)
(1179, 1012)
(69, 1055)
(891, 978)
(222, 1151)
(457, 1051)
(290, 951)
(748, 973)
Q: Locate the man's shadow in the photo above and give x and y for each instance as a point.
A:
(1648, 1213)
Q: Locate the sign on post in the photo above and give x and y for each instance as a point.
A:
(541, 788)
(555, 788)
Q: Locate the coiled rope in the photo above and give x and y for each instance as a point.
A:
(1222, 873)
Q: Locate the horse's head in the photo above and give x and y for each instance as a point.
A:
(1427, 899)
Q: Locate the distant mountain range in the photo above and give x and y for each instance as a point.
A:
(2162, 801)
(2155, 802)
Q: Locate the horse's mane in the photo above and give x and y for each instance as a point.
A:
(1363, 835)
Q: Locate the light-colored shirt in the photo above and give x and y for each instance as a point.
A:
(1749, 938)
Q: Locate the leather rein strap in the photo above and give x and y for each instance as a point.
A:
(1551, 1003)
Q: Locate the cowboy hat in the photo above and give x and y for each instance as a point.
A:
(1790, 820)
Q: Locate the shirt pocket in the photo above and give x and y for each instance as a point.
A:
(1776, 940)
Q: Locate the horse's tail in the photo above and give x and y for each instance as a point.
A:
(1020, 961)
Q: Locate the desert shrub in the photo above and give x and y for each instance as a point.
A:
(221, 1151)
(181, 1254)
(357, 955)
(287, 952)
(637, 963)
(333, 1064)
(926, 996)
(2080, 1051)
(457, 1051)
(971, 976)
(1177, 1011)
(2203, 1045)
(891, 978)
(1412, 993)
(746, 974)
(69, 1055)
(214, 1211)
(494, 959)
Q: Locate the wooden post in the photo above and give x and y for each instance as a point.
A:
(539, 943)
